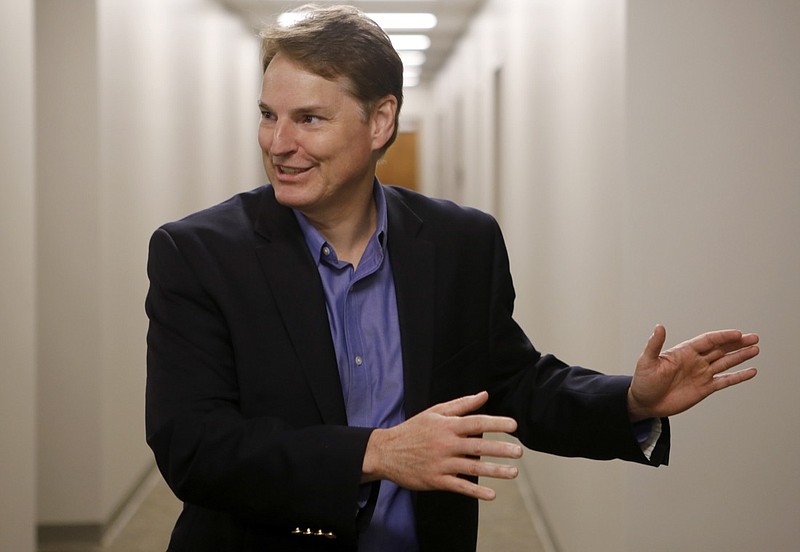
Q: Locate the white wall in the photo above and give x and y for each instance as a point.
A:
(713, 195)
(646, 171)
(179, 82)
(146, 112)
(557, 158)
(644, 168)
(17, 293)
(69, 264)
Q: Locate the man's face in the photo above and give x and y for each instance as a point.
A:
(318, 149)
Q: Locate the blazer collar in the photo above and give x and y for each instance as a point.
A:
(413, 267)
(298, 292)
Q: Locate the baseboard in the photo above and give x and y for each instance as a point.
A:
(92, 537)
(82, 537)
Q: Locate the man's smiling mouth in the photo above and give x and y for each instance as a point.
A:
(282, 169)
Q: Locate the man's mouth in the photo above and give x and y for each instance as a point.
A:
(283, 169)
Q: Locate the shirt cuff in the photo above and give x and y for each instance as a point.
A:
(647, 433)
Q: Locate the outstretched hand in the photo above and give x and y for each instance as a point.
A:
(430, 450)
(665, 384)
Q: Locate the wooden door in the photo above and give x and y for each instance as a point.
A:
(399, 165)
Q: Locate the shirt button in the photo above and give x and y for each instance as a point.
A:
(326, 250)
(359, 361)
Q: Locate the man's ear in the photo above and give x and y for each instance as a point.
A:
(382, 120)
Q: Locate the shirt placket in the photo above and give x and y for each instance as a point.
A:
(359, 404)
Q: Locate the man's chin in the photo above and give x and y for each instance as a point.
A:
(291, 197)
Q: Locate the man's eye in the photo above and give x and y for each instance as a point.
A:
(266, 114)
(310, 118)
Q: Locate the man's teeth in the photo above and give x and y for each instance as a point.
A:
(289, 170)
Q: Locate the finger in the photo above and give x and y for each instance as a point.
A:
(721, 381)
(750, 339)
(466, 487)
(489, 447)
(477, 424)
(461, 405)
(479, 468)
(734, 359)
(722, 340)
(655, 343)
(725, 349)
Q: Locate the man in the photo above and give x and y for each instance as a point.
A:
(325, 353)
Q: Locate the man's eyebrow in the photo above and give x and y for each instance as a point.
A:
(311, 108)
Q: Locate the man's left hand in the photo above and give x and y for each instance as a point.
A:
(665, 384)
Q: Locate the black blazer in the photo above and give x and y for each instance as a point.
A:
(244, 406)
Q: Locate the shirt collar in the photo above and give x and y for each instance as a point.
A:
(316, 241)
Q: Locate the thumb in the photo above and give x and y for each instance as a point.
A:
(461, 405)
(655, 343)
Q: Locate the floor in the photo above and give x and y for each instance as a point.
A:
(505, 523)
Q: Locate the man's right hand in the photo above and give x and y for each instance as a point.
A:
(429, 451)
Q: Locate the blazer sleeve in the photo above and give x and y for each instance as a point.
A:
(560, 409)
(260, 468)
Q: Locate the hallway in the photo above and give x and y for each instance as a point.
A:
(505, 523)
(640, 156)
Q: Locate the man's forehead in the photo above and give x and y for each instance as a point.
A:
(288, 80)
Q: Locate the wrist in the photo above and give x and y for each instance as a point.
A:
(371, 466)
(636, 412)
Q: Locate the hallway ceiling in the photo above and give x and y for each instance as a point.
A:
(453, 16)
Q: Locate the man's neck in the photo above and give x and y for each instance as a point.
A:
(349, 231)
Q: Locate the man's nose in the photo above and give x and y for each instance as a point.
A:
(284, 139)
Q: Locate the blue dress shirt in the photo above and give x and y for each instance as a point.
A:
(362, 312)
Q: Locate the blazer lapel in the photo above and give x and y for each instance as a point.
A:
(412, 261)
(297, 290)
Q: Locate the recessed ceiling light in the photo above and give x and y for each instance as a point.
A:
(287, 19)
(410, 42)
(404, 21)
(387, 21)
(410, 81)
(411, 58)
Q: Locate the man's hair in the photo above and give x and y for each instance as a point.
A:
(341, 42)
